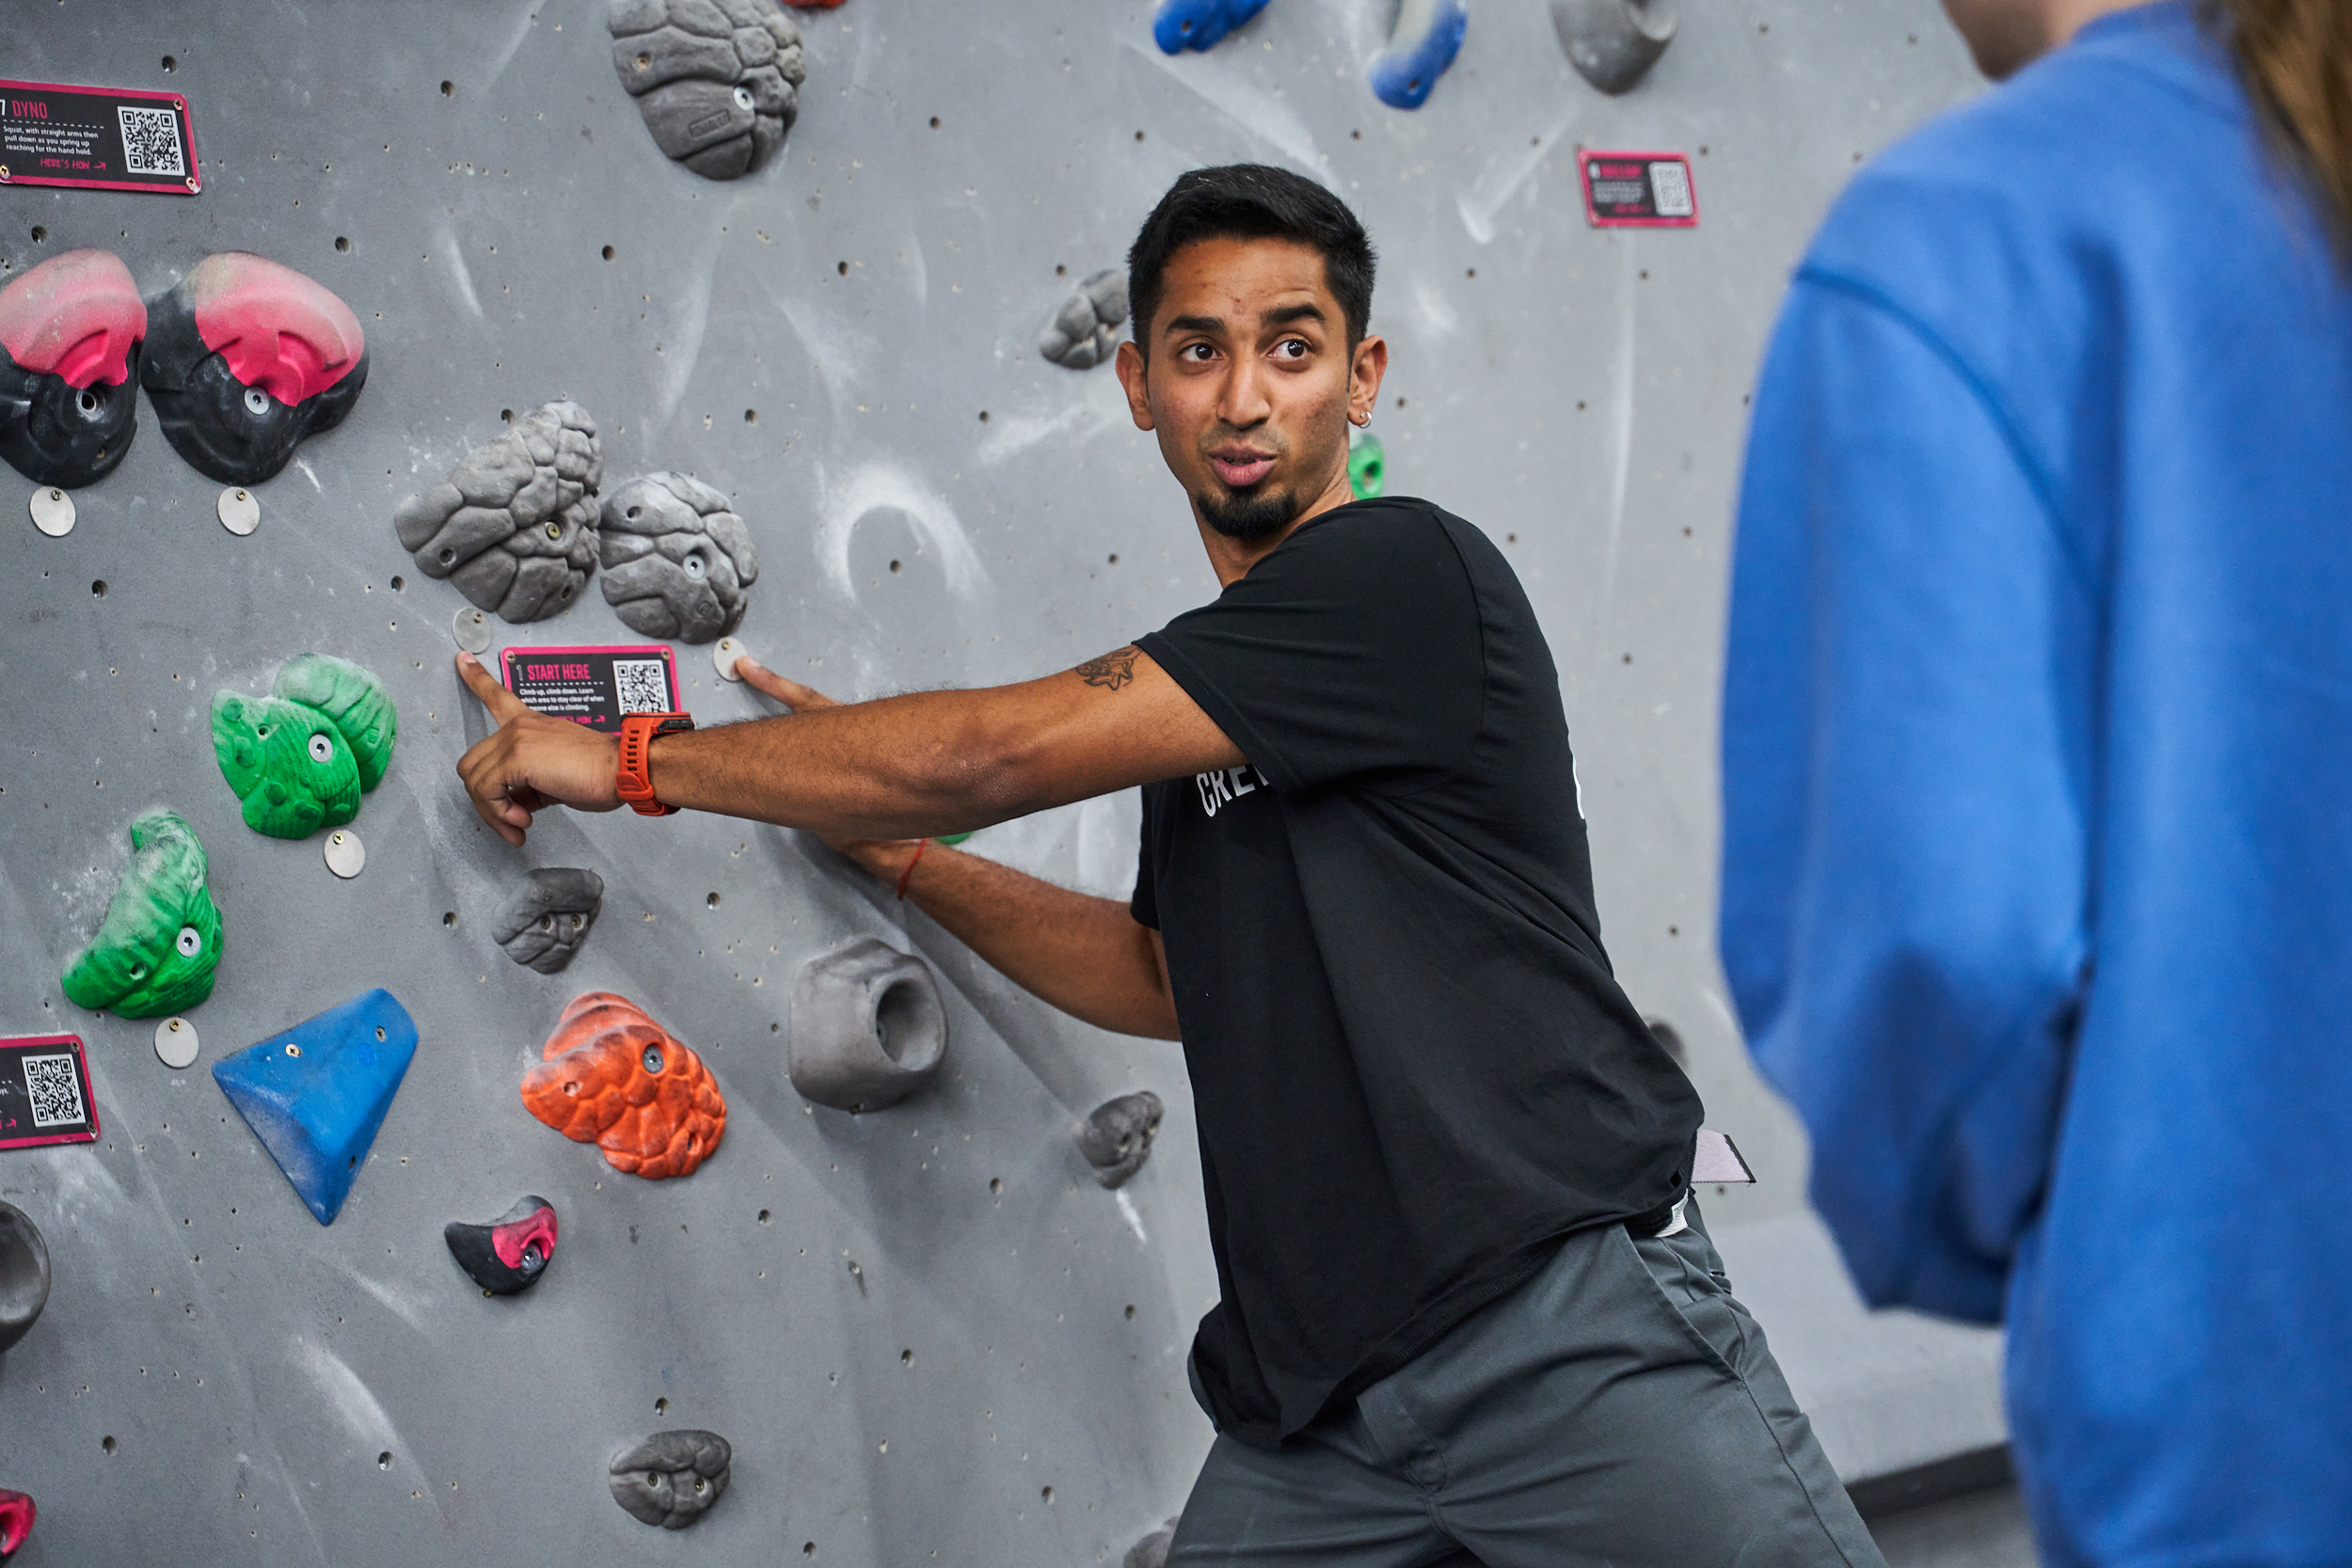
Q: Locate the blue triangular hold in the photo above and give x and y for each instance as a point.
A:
(316, 1094)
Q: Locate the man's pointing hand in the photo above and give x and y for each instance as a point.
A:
(531, 761)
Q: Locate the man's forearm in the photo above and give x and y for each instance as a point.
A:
(917, 764)
(1084, 955)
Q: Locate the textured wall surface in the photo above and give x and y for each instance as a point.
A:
(925, 1331)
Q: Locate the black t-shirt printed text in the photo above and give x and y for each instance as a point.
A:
(1412, 1069)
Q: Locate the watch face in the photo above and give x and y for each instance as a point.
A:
(674, 722)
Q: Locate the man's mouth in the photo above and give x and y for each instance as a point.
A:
(1241, 468)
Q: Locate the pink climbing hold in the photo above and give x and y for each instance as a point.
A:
(76, 317)
(16, 1521)
(277, 329)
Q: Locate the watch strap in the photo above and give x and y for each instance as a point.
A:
(634, 778)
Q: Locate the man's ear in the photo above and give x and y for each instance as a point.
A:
(1365, 368)
(1129, 363)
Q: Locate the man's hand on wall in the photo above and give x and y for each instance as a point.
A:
(531, 761)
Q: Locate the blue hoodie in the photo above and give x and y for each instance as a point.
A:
(2037, 883)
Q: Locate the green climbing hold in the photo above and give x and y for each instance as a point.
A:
(156, 949)
(287, 763)
(354, 699)
(1367, 465)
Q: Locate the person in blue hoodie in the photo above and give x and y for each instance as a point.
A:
(2037, 749)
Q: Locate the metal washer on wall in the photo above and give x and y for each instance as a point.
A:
(472, 627)
(240, 513)
(52, 512)
(724, 653)
(345, 855)
(175, 1043)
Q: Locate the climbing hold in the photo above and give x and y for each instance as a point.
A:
(16, 1522)
(316, 1094)
(724, 653)
(867, 1026)
(544, 921)
(245, 360)
(509, 1253)
(672, 1477)
(1181, 24)
(1427, 35)
(23, 1273)
(1151, 1551)
(1117, 1137)
(301, 757)
(676, 562)
(71, 329)
(156, 950)
(716, 79)
(1613, 44)
(175, 1043)
(1367, 465)
(286, 763)
(353, 700)
(515, 524)
(614, 1077)
(1083, 332)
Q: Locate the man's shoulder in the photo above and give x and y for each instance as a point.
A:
(1402, 530)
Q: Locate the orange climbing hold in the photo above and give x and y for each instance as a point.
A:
(614, 1077)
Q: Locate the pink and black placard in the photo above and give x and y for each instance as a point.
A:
(596, 686)
(101, 138)
(44, 1092)
(1637, 190)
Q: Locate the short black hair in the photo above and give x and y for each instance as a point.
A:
(1252, 201)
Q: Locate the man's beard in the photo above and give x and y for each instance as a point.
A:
(1248, 517)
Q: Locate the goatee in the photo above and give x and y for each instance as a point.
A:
(1248, 517)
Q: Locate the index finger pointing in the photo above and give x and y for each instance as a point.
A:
(503, 705)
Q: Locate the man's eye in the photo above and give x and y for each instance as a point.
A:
(1294, 348)
(1195, 351)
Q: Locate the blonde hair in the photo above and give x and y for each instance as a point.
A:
(2296, 59)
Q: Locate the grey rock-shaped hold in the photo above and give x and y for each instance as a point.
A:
(1084, 332)
(514, 525)
(678, 563)
(1117, 1138)
(716, 79)
(867, 1026)
(671, 1478)
(1613, 44)
(544, 921)
(23, 1273)
(1151, 1551)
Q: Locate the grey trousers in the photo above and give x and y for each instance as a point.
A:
(1619, 1409)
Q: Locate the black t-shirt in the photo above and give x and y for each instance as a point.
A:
(1412, 1069)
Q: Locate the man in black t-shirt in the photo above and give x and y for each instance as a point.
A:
(1467, 1313)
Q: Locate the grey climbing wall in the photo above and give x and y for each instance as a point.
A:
(926, 1331)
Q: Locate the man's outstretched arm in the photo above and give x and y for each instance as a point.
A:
(1086, 956)
(931, 761)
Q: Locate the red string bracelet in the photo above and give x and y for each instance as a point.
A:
(910, 870)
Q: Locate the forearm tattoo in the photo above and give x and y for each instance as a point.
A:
(1113, 670)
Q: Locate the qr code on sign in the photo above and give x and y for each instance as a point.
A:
(641, 685)
(56, 1091)
(1670, 184)
(151, 141)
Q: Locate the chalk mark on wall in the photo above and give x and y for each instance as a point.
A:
(1223, 86)
(885, 487)
(1503, 176)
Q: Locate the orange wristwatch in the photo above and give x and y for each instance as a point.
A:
(635, 773)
